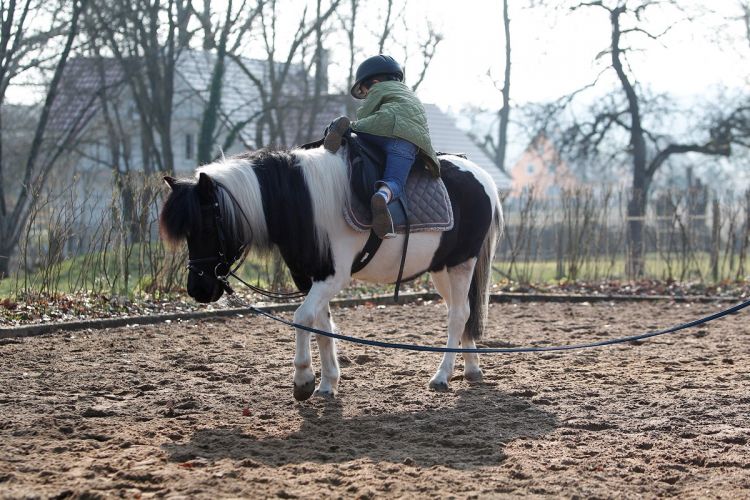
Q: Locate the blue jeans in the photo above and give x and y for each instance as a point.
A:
(400, 155)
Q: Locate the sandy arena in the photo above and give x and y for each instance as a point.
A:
(158, 410)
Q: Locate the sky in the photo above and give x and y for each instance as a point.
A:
(553, 53)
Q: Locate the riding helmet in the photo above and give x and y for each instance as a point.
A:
(372, 66)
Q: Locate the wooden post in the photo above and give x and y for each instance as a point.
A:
(715, 240)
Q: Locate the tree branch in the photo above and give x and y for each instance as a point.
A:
(709, 148)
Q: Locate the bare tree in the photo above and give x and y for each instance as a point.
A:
(388, 38)
(387, 26)
(320, 71)
(146, 37)
(350, 27)
(744, 6)
(624, 116)
(498, 146)
(22, 50)
(274, 86)
(224, 37)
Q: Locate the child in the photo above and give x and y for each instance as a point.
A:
(392, 119)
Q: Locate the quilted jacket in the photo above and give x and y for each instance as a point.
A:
(391, 109)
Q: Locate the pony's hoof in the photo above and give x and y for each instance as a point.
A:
(438, 386)
(304, 391)
(474, 377)
(330, 394)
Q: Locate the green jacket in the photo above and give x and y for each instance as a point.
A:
(391, 109)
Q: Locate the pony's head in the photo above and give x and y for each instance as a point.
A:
(202, 213)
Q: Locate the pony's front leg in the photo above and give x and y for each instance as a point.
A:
(304, 376)
(314, 313)
(329, 369)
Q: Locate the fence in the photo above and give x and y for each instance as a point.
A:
(581, 234)
(104, 245)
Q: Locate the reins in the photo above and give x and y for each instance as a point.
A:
(265, 293)
(222, 259)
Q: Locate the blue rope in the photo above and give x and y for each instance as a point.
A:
(420, 348)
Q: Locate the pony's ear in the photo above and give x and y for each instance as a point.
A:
(171, 181)
(205, 186)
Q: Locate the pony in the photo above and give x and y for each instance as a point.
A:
(293, 201)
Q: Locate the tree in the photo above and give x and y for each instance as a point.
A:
(225, 38)
(389, 39)
(498, 147)
(274, 86)
(29, 44)
(625, 114)
(744, 6)
(146, 37)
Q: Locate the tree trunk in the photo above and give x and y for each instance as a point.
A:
(5, 251)
(211, 111)
(641, 179)
(502, 136)
(715, 240)
(634, 265)
(5, 262)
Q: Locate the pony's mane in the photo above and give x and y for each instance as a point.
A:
(181, 214)
(240, 197)
(326, 178)
(324, 175)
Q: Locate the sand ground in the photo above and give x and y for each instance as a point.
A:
(158, 410)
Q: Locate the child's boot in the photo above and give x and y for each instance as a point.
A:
(336, 131)
(382, 224)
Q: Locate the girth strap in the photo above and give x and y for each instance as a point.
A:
(402, 201)
(367, 253)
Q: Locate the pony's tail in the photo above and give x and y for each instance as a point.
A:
(479, 290)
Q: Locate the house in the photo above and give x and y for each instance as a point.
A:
(95, 95)
(541, 167)
(96, 105)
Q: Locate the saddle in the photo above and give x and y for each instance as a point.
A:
(424, 206)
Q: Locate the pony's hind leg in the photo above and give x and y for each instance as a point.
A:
(453, 285)
(472, 371)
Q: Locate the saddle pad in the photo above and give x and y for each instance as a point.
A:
(427, 199)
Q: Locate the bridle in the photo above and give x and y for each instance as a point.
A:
(222, 265)
(222, 260)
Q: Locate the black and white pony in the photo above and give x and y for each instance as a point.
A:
(294, 201)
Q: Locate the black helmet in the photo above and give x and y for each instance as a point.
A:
(376, 65)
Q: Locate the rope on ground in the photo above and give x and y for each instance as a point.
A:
(493, 350)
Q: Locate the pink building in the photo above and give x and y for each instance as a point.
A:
(541, 167)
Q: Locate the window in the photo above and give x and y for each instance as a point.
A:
(189, 146)
(530, 168)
